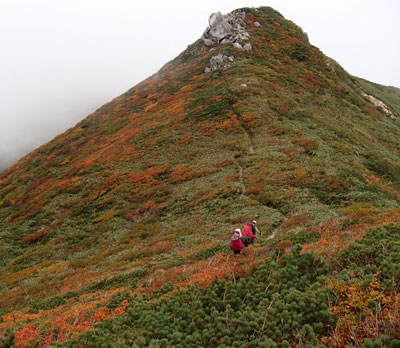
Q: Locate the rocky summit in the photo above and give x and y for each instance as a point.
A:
(229, 28)
(117, 232)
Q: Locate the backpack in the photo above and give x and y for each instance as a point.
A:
(248, 231)
(235, 235)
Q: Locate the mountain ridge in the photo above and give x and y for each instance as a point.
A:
(145, 190)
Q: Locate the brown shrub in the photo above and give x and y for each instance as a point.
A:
(34, 237)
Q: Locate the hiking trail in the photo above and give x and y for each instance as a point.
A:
(251, 146)
(241, 178)
(247, 132)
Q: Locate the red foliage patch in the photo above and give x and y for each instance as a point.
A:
(149, 174)
(335, 236)
(294, 40)
(151, 208)
(34, 237)
(182, 173)
(35, 184)
(295, 220)
(306, 144)
(314, 80)
(65, 182)
(25, 336)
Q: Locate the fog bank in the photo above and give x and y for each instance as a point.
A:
(63, 59)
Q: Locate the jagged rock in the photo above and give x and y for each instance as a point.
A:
(379, 103)
(219, 26)
(257, 24)
(208, 42)
(219, 61)
(247, 47)
(218, 29)
(226, 29)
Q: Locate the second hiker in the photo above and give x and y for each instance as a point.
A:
(236, 241)
(249, 233)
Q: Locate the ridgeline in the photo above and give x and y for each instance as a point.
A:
(116, 233)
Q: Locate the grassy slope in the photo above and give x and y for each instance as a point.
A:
(151, 181)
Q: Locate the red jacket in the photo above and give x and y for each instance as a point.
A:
(236, 242)
(248, 231)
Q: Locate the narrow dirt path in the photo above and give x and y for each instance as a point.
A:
(271, 236)
(241, 179)
(251, 146)
(247, 132)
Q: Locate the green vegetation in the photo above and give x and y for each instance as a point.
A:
(143, 194)
(285, 301)
(378, 253)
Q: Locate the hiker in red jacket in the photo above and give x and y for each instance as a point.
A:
(236, 241)
(249, 233)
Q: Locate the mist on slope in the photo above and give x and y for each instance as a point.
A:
(37, 130)
(62, 60)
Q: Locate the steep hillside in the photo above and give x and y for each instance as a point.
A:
(388, 95)
(144, 193)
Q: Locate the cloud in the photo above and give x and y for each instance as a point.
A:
(62, 59)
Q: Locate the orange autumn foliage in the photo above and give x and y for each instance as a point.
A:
(148, 175)
(248, 117)
(150, 208)
(35, 237)
(362, 312)
(219, 266)
(182, 173)
(151, 106)
(70, 318)
(295, 220)
(306, 144)
(334, 235)
(27, 335)
(65, 182)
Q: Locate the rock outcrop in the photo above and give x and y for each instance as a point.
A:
(220, 61)
(226, 29)
(379, 103)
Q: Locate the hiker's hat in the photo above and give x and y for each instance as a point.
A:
(254, 222)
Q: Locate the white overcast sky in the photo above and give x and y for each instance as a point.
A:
(62, 59)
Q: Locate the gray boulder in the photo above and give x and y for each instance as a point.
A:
(218, 29)
(226, 29)
(247, 47)
(219, 26)
(208, 42)
(220, 61)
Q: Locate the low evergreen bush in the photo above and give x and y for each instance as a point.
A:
(285, 301)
